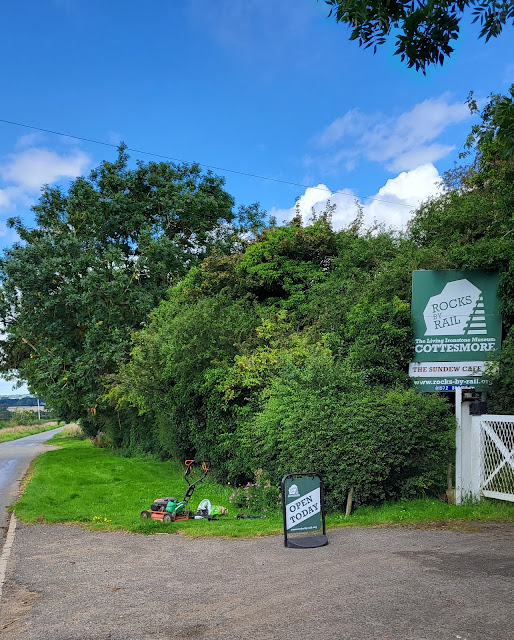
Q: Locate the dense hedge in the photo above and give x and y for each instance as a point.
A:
(286, 362)
(386, 443)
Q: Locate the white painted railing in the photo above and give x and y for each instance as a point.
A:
(484, 459)
(496, 456)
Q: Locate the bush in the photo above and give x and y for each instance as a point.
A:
(23, 418)
(387, 444)
(102, 440)
(256, 497)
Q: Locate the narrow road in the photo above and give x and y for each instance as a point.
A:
(15, 457)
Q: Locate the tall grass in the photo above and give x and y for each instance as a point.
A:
(21, 431)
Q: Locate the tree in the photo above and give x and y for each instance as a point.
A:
(288, 342)
(497, 124)
(424, 29)
(98, 260)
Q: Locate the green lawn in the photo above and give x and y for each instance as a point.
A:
(79, 483)
(84, 484)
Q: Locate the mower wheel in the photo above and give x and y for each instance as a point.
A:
(145, 515)
(168, 517)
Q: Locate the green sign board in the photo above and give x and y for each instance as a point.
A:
(303, 509)
(457, 329)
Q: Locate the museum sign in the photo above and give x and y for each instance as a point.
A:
(457, 329)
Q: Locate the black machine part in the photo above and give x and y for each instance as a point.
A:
(477, 408)
(192, 485)
(161, 503)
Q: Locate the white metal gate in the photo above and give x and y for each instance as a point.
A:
(497, 457)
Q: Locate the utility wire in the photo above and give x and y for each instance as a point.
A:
(203, 164)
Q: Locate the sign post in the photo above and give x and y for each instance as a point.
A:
(303, 508)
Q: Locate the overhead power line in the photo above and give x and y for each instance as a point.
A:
(203, 164)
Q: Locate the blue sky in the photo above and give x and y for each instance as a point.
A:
(266, 87)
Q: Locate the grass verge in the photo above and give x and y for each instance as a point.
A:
(82, 484)
(14, 433)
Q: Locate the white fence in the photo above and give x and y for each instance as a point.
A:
(496, 456)
(484, 462)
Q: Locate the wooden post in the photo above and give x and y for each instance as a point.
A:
(450, 491)
(349, 501)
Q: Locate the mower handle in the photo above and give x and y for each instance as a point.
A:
(190, 463)
(192, 485)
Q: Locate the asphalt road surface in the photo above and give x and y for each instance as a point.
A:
(15, 457)
(65, 583)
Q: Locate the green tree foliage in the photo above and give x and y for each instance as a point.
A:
(497, 123)
(175, 365)
(294, 335)
(424, 30)
(99, 258)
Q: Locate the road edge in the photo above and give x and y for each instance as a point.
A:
(6, 551)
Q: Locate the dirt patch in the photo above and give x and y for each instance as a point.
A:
(14, 610)
(504, 530)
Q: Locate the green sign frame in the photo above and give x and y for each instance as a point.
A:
(303, 508)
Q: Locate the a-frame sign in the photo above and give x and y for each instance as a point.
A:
(303, 508)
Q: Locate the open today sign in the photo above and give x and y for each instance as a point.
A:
(303, 509)
(304, 512)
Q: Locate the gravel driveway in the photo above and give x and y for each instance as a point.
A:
(65, 583)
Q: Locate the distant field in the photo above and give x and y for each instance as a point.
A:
(13, 433)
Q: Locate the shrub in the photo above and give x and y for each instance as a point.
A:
(102, 440)
(386, 443)
(73, 431)
(24, 418)
(256, 497)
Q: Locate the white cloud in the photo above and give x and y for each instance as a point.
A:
(392, 204)
(419, 156)
(401, 144)
(316, 198)
(14, 196)
(31, 168)
(4, 198)
(29, 140)
(354, 122)
(409, 188)
(26, 170)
